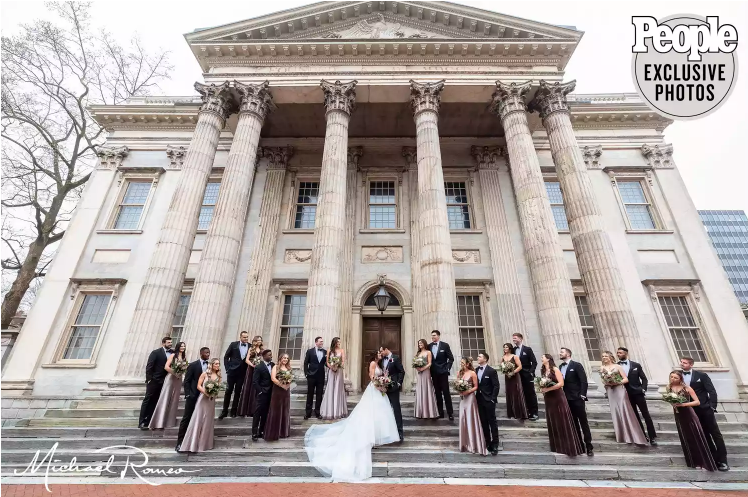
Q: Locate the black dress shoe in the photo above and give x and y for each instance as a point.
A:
(653, 442)
(223, 415)
(723, 466)
(319, 416)
(589, 452)
(306, 416)
(494, 451)
(255, 438)
(402, 439)
(441, 416)
(451, 417)
(176, 449)
(534, 417)
(143, 426)
(232, 415)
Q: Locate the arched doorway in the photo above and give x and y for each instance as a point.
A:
(378, 329)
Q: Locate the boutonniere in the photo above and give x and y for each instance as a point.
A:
(571, 370)
(524, 353)
(698, 380)
(636, 369)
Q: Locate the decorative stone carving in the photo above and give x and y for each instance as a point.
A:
(411, 157)
(659, 156)
(466, 256)
(354, 154)
(378, 28)
(278, 157)
(339, 96)
(297, 256)
(176, 155)
(551, 97)
(508, 98)
(381, 254)
(216, 99)
(592, 155)
(111, 157)
(425, 96)
(486, 156)
(255, 98)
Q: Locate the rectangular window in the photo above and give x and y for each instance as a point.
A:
(553, 188)
(638, 208)
(177, 325)
(382, 205)
(210, 197)
(132, 204)
(458, 208)
(292, 326)
(306, 205)
(86, 327)
(588, 328)
(471, 325)
(683, 328)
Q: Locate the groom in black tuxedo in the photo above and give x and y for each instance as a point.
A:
(441, 363)
(391, 365)
(636, 388)
(191, 393)
(527, 375)
(263, 385)
(315, 362)
(236, 369)
(155, 374)
(488, 390)
(575, 388)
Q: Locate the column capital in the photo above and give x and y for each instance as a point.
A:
(486, 157)
(278, 157)
(339, 96)
(216, 99)
(551, 97)
(354, 154)
(411, 157)
(425, 96)
(591, 155)
(255, 99)
(176, 155)
(508, 98)
(111, 157)
(659, 156)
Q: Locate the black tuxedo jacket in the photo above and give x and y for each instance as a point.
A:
(527, 358)
(154, 369)
(488, 386)
(232, 359)
(704, 389)
(638, 381)
(442, 361)
(395, 371)
(262, 380)
(194, 370)
(575, 381)
(313, 366)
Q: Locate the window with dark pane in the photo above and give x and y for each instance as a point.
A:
(553, 188)
(177, 324)
(306, 205)
(458, 209)
(382, 205)
(86, 327)
(471, 325)
(591, 341)
(683, 327)
(210, 197)
(132, 205)
(638, 207)
(292, 326)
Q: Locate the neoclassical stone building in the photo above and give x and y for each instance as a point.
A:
(433, 147)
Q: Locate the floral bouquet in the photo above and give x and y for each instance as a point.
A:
(611, 377)
(507, 368)
(462, 385)
(284, 376)
(543, 382)
(335, 361)
(178, 368)
(419, 361)
(382, 383)
(213, 388)
(255, 360)
(674, 398)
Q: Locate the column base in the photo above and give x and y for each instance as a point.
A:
(18, 387)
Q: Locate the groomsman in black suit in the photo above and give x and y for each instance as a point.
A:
(236, 369)
(488, 391)
(393, 367)
(263, 384)
(441, 364)
(527, 375)
(704, 389)
(315, 362)
(636, 388)
(155, 374)
(575, 388)
(191, 393)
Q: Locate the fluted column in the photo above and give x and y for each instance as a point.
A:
(411, 158)
(159, 296)
(439, 299)
(252, 318)
(554, 297)
(323, 300)
(603, 284)
(506, 282)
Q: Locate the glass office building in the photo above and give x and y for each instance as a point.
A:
(728, 231)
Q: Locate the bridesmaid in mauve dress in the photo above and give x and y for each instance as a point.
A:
(692, 440)
(334, 403)
(165, 414)
(562, 435)
(625, 423)
(425, 406)
(515, 397)
(199, 434)
(247, 398)
(471, 430)
(278, 424)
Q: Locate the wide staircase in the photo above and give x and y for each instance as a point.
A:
(430, 449)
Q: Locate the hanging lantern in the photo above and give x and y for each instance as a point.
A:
(382, 297)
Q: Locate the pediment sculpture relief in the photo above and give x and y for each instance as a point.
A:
(378, 28)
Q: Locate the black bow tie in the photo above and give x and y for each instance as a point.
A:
(686, 372)
(623, 362)
(243, 344)
(480, 367)
(205, 362)
(563, 364)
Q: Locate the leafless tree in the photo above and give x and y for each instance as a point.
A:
(51, 72)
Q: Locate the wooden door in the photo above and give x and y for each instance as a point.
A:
(378, 332)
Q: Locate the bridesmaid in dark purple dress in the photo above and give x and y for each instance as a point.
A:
(692, 439)
(278, 423)
(515, 397)
(562, 434)
(247, 398)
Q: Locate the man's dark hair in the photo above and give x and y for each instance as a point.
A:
(163, 340)
(318, 338)
(203, 349)
(243, 333)
(438, 333)
(265, 352)
(518, 335)
(485, 354)
(689, 359)
(624, 349)
(567, 350)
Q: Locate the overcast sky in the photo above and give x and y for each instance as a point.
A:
(711, 152)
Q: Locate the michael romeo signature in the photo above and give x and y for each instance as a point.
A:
(139, 468)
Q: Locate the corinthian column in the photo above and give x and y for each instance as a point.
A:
(554, 297)
(159, 296)
(411, 158)
(323, 299)
(609, 304)
(439, 299)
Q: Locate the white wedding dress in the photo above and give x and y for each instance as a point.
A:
(342, 450)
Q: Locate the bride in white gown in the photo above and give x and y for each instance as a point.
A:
(342, 450)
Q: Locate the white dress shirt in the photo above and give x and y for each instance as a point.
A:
(563, 367)
(687, 377)
(166, 351)
(518, 353)
(204, 365)
(386, 361)
(481, 370)
(243, 349)
(319, 355)
(626, 365)
(434, 348)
